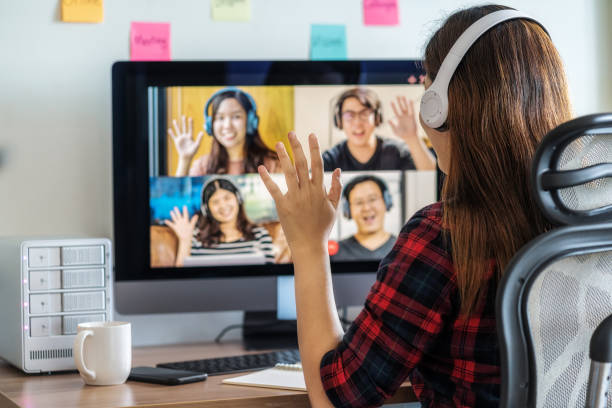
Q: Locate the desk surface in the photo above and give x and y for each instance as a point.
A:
(68, 390)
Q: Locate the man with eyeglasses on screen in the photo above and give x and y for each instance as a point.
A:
(358, 112)
(366, 199)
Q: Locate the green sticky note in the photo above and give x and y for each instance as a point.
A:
(327, 42)
(230, 10)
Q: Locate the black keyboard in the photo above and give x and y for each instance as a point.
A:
(234, 364)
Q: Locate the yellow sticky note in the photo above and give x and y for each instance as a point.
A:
(83, 11)
(231, 10)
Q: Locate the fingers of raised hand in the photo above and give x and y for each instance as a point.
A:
(316, 162)
(287, 167)
(336, 188)
(269, 183)
(172, 135)
(395, 109)
(403, 104)
(301, 164)
(177, 131)
(174, 214)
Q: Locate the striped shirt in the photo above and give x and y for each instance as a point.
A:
(262, 244)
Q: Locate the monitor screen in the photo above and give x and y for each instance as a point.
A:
(188, 137)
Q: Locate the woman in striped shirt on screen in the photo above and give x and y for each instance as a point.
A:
(223, 234)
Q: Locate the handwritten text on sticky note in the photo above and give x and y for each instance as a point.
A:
(380, 12)
(150, 42)
(83, 11)
(327, 42)
(230, 10)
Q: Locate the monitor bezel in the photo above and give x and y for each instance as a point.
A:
(130, 83)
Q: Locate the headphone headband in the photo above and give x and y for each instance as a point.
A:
(252, 118)
(434, 103)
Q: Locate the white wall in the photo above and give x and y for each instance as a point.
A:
(55, 97)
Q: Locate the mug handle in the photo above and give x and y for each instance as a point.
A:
(79, 342)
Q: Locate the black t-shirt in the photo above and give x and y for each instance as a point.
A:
(350, 249)
(389, 155)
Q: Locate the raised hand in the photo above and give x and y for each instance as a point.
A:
(181, 224)
(182, 136)
(306, 211)
(405, 125)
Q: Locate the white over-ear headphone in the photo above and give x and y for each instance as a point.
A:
(434, 103)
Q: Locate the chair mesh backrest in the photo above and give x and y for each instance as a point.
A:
(586, 151)
(565, 304)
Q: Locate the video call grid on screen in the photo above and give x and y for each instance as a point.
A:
(279, 109)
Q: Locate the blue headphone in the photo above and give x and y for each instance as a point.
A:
(346, 206)
(252, 118)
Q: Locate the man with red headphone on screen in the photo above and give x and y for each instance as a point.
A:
(358, 112)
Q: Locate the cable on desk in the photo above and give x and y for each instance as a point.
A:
(290, 323)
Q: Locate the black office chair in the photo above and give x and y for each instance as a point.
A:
(557, 289)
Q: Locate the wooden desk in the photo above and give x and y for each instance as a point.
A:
(68, 390)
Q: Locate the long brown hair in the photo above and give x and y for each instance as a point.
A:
(255, 150)
(506, 94)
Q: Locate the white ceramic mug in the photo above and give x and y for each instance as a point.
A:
(103, 352)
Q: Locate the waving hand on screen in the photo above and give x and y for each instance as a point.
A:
(183, 227)
(405, 127)
(182, 136)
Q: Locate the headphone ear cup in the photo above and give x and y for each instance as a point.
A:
(434, 108)
(252, 122)
(388, 199)
(208, 126)
(346, 209)
(337, 120)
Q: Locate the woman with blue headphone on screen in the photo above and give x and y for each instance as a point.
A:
(495, 86)
(222, 228)
(237, 146)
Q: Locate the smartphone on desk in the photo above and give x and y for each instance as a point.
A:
(166, 376)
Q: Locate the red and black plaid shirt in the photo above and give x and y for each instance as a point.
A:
(410, 328)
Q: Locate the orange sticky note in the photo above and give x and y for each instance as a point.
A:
(380, 12)
(150, 42)
(83, 11)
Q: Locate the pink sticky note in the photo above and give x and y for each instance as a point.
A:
(150, 42)
(380, 12)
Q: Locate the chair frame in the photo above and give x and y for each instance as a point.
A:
(517, 355)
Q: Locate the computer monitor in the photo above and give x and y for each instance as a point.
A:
(195, 228)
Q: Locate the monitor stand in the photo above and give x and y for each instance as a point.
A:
(262, 330)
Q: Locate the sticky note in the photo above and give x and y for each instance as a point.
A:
(83, 11)
(380, 12)
(230, 10)
(327, 42)
(150, 42)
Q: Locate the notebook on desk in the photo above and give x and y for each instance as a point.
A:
(283, 376)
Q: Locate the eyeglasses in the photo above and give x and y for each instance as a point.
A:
(351, 116)
(369, 200)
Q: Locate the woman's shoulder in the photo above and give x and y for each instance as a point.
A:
(431, 212)
(198, 167)
(425, 229)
